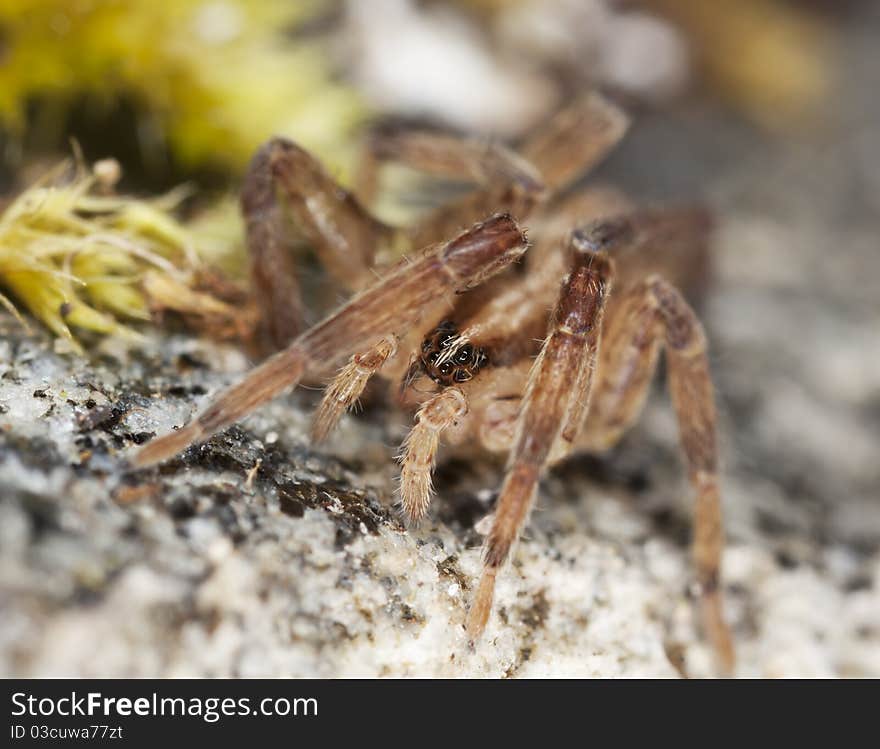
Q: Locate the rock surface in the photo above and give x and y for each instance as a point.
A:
(259, 555)
(254, 555)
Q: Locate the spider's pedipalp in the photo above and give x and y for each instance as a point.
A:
(390, 306)
(566, 362)
(349, 383)
(419, 450)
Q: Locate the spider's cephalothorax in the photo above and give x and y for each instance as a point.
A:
(448, 360)
(552, 389)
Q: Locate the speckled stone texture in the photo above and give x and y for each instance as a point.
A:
(259, 555)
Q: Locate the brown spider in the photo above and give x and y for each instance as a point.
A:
(455, 328)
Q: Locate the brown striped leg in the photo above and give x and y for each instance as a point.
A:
(415, 289)
(566, 361)
(273, 275)
(483, 162)
(575, 139)
(630, 346)
(345, 236)
(504, 179)
(690, 387)
(652, 313)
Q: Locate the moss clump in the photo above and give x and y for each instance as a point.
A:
(76, 255)
(211, 78)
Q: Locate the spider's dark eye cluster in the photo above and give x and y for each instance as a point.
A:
(445, 340)
(445, 364)
(464, 354)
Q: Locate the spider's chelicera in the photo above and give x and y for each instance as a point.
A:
(504, 377)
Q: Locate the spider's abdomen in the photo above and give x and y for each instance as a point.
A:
(448, 360)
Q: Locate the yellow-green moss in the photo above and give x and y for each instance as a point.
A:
(214, 78)
(76, 258)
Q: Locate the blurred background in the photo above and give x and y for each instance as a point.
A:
(764, 110)
(177, 89)
(180, 94)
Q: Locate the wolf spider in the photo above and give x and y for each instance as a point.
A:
(460, 332)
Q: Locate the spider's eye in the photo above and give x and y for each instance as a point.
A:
(445, 368)
(444, 340)
(461, 375)
(463, 355)
(432, 357)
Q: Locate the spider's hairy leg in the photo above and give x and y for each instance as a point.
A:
(575, 139)
(349, 384)
(652, 313)
(504, 179)
(567, 358)
(413, 290)
(345, 236)
(604, 236)
(273, 275)
(630, 348)
(419, 450)
(484, 162)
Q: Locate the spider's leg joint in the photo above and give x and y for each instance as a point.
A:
(602, 235)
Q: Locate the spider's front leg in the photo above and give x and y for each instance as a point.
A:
(560, 377)
(415, 289)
